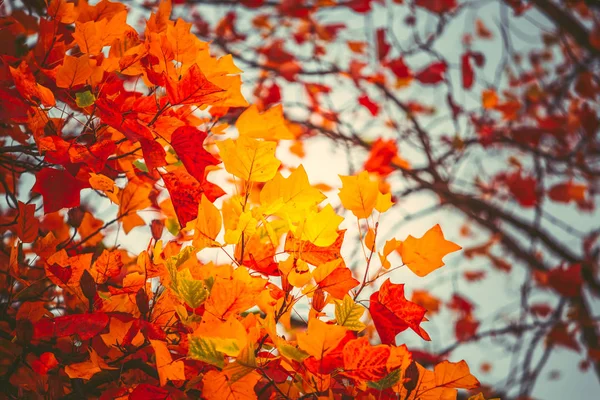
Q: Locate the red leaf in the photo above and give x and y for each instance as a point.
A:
(185, 193)
(399, 68)
(193, 88)
(383, 156)
(523, 189)
(144, 391)
(465, 328)
(392, 313)
(437, 6)
(433, 73)
(188, 142)
(44, 363)
(560, 336)
(566, 280)
(58, 188)
(365, 362)
(338, 282)
(365, 101)
(383, 47)
(62, 273)
(460, 304)
(332, 359)
(468, 75)
(85, 325)
(154, 154)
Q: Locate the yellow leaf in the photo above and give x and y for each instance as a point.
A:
(425, 254)
(296, 271)
(268, 125)
(321, 229)
(229, 337)
(294, 195)
(348, 313)
(207, 225)
(320, 338)
(325, 269)
(246, 224)
(168, 370)
(359, 194)
(249, 159)
(384, 202)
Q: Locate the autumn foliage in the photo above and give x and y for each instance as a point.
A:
(112, 115)
(157, 243)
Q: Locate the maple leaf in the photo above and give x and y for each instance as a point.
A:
(86, 326)
(321, 228)
(383, 156)
(348, 314)
(133, 198)
(92, 36)
(87, 369)
(193, 88)
(311, 253)
(107, 266)
(335, 278)
(366, 102)
(361, 195)
(270, 125)
(432, 74)
(58, 188)
(392, 313)
(320, 338)
(168, 370)
(437, 6)
(46, 362)
(249, 159)
(424, 255)
(365, 362)
(188, 142)
(74, 71)
(26, 84)
(442, 382)
(186, 193)
(27, 224)
(218, 386)
(290, 197)
(208, 224)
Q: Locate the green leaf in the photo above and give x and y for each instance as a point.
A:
(243, 365)
(140, 165)
(205, 350)
(386, 382)
(292, 352)
(348, 313)
(190, 290)
(85, 99)
(173, 226)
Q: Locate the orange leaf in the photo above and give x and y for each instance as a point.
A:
(74, 71)
(168, 370)
(219, 386)
(424, 255)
